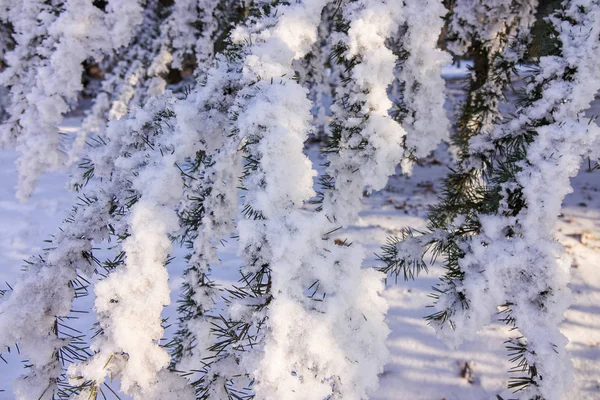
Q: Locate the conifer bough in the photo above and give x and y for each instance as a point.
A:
(493, 225)
(221, 155)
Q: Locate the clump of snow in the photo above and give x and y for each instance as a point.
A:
(426, 123)
(371, 143)
(333, 346)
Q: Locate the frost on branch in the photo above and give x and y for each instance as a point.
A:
(546, 142)
(134, 43)
(44, 80)
(140, 183)
(499, 248)
(304, 298)
(178, 37)
(176, 154)
(35, 313)
(319, 72)
(368, 138)
(208, 209)
(489, 22)
(130, 300)
(131, 77)
(65, 271)
(421, 109)
(365, 143)
(497, 34)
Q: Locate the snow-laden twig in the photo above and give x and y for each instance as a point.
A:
(426, 123)
(498, 33)
(318, 71)
(485, 20)
(514, 261)
(498, 38)
(322, 313)
(35, 314)
(131, 77)
(76, 33)
(366, 143)
(129, 302)
(168, 38)
(208, 209)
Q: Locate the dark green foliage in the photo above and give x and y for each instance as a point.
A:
(395, 263)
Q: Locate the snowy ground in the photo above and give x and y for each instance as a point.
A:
(421, 367)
